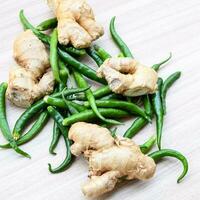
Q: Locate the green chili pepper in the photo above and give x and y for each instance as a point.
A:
(157, 66)
(94, 55)
(166, 85)
(158, 110)
(171, 153)
(147, 146)
(140, 122)
(4, 127)
(99, 93)
(113, 97)
(60, 103)
(33, 132)
(34, 109)
(120, 43)
(89, 115)
(55, 139)
(54, 55)
(129, 107)
(80, 67)
(64, 72)
(103, 54)
(64, 131)
(47, 24)
(81, 82)
(56, 130)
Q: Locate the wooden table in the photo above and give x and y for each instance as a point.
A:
(152, 28)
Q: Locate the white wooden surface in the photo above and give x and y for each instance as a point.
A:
(152, 28)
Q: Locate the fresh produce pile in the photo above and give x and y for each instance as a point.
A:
(128, 89)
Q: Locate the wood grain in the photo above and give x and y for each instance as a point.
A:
(152, 28)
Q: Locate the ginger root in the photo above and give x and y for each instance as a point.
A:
(30, 78)
(109, 159)
(76, 22)
(83, 143)
(128, 77)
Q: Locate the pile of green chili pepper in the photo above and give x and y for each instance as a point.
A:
(70, 105)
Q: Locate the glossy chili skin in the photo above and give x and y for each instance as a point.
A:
(80, 67)
(89, 115)
(64, 71)
(148, 145)
(35, 108)
(118, 40)
(55, 138)
(56, 131)
(4, 126)
(158, 110)
(103, 54)
(81, 82)
(140, 122)
(166, 85)
(47, 24)
(60, 103)
(129, 107)
(64, 131)
(158, 155)
(98, 93)
(157, 66)
(33, 132)
(54, 55)
(94, 55)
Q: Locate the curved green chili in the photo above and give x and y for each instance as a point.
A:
(140, 122)
(73, 51)
(103, 54)
(129, 107)
(157, 66)
(113, 97)
(55, 138)
(64, 72)
(158, 110)
(147, 146)
(54, 55)
(81, 82)
(56, 131)
(166, 85)
(45, 38)
(94, 55)
(80, 67)
(89, 115)
(171, 153)
(120, 43)
(98, 93)
(4, 127)
(47, 24)
(64, 131)
(35, 108)
(60, 103)
(33, 132)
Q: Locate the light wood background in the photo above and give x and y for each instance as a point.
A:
(152, 28)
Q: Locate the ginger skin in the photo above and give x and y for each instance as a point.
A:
(76, 22)
(128, 77)
(83, 143)
(122, 158)
(30, 78)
